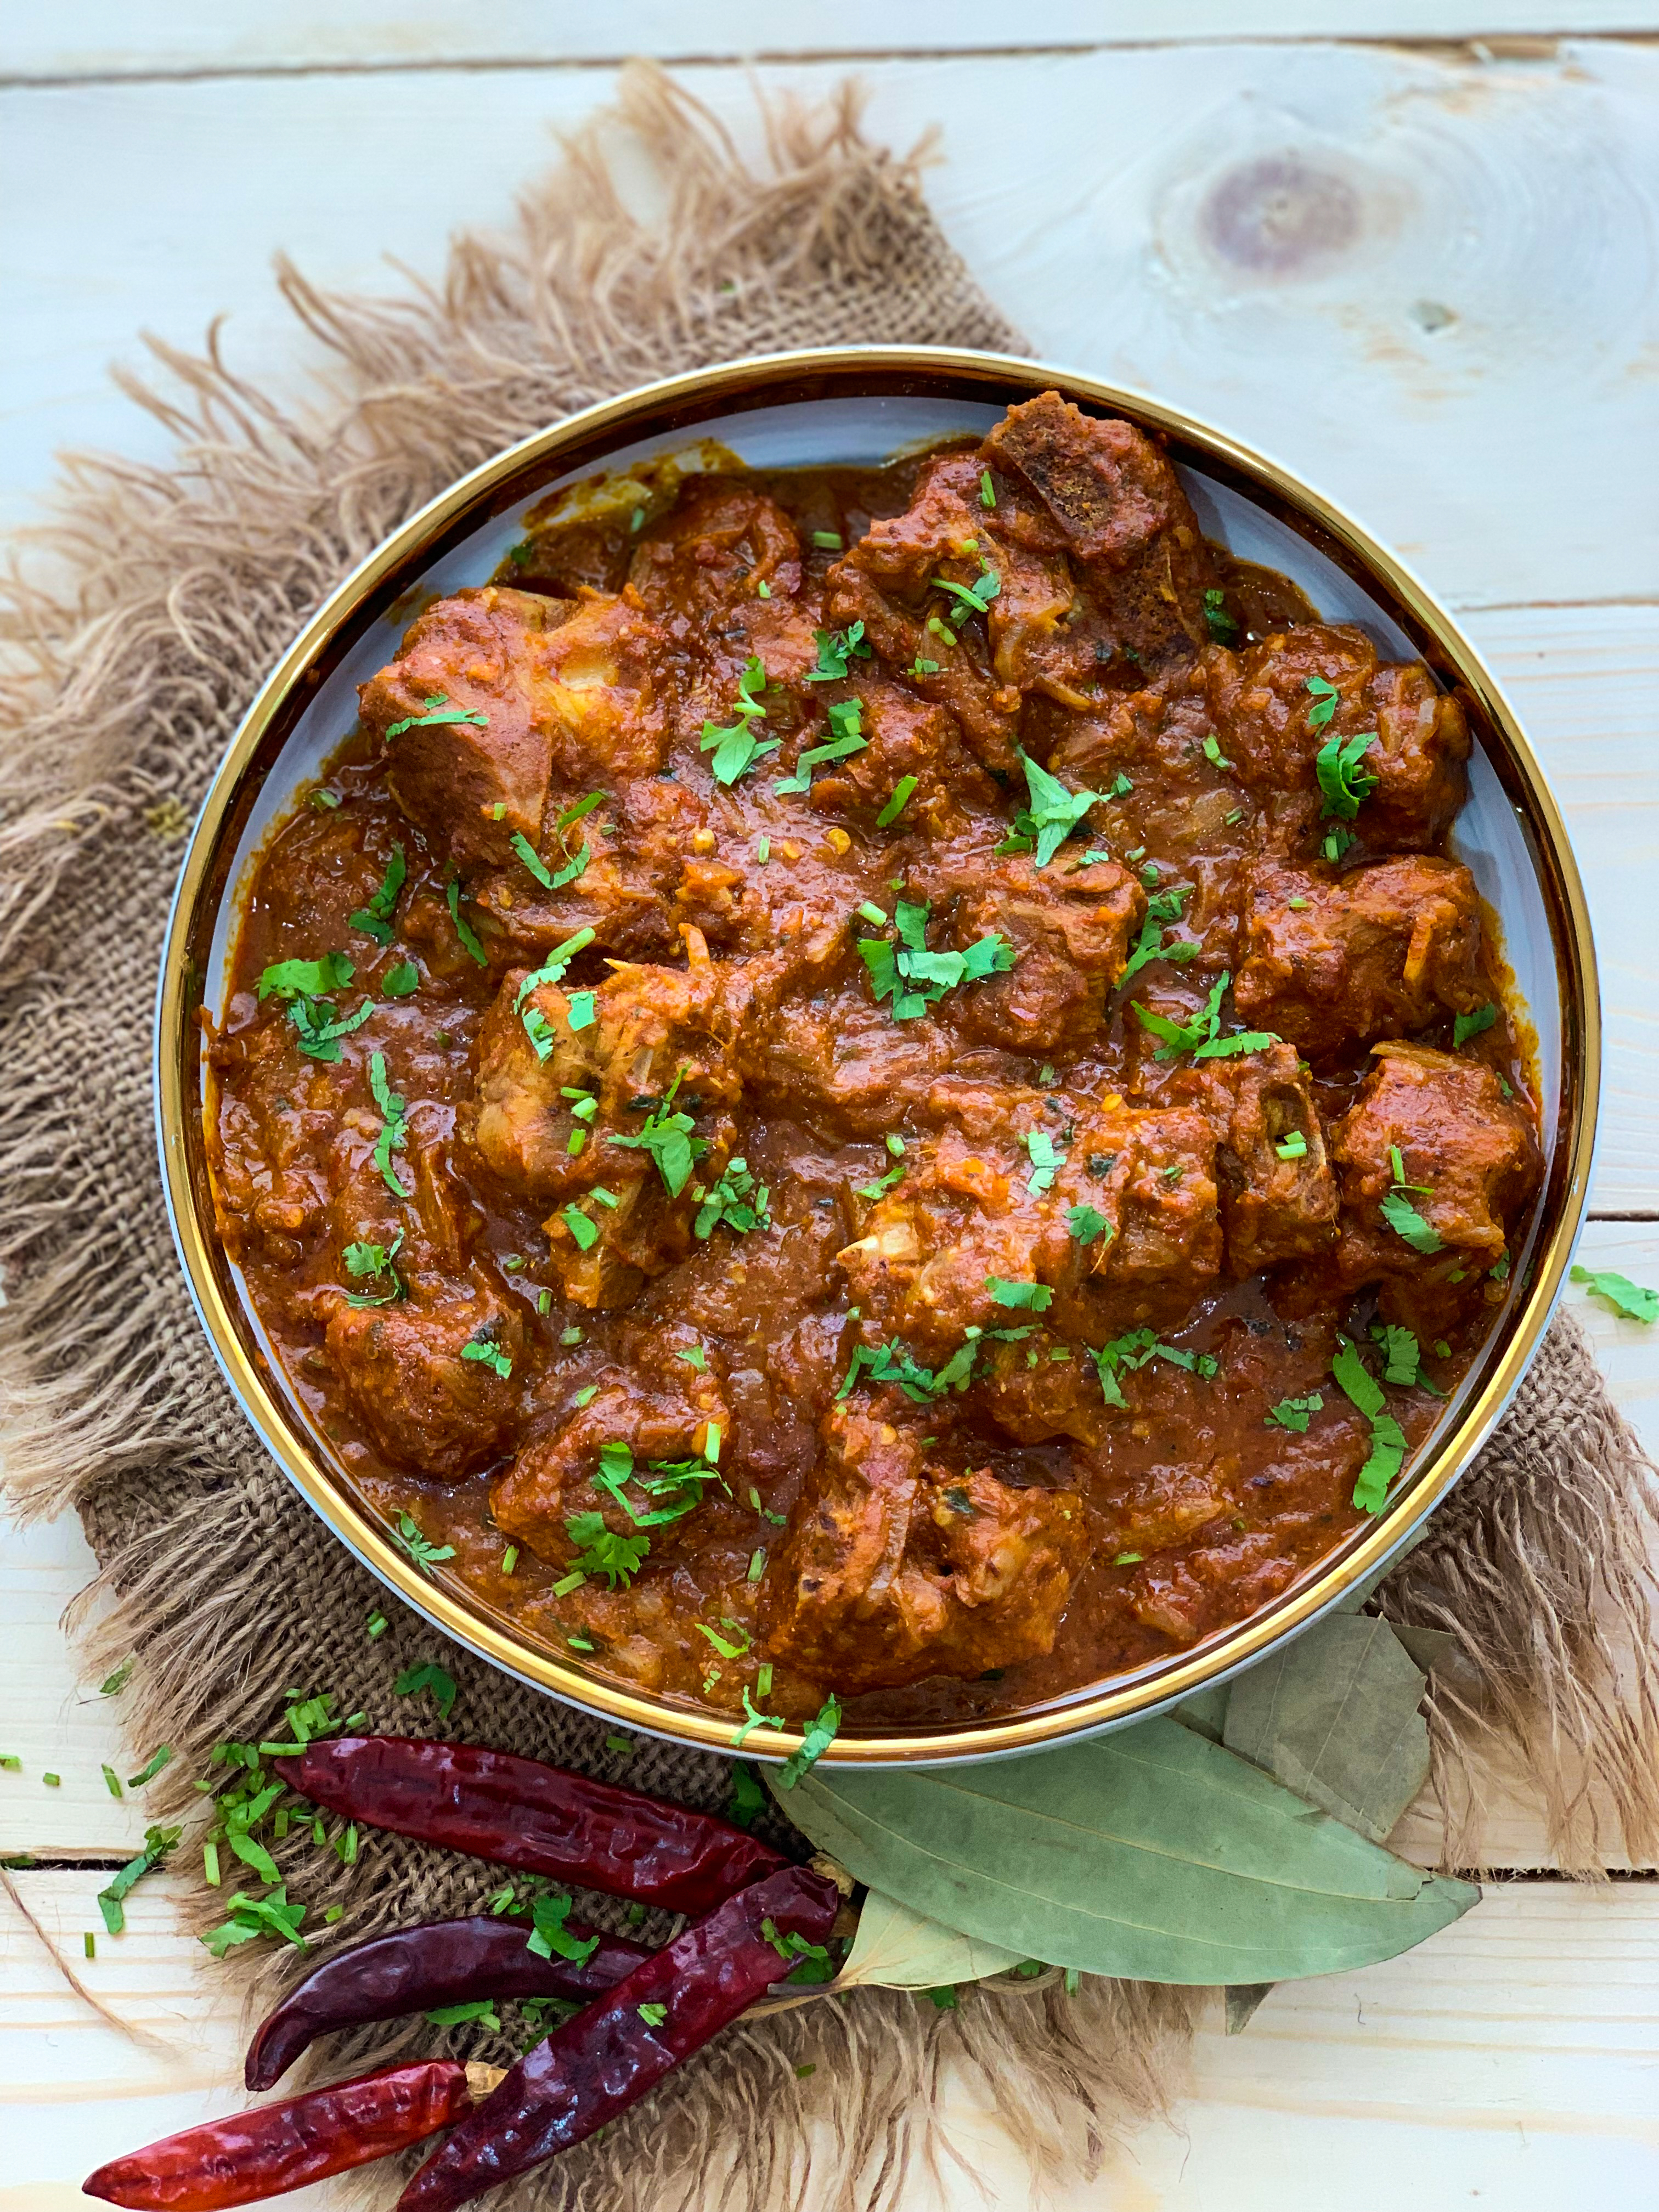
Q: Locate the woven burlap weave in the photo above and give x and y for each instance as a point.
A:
(178, 588)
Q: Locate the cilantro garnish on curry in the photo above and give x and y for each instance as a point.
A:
(971, 1168)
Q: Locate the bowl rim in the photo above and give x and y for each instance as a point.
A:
(683, 402)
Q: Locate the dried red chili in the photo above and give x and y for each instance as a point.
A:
(416, 1969)
(259, 2153)
(621, 2046)
(497, 1806)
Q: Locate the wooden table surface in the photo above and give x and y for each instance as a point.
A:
(1424, 276)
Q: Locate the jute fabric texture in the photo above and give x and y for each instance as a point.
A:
(175, 589)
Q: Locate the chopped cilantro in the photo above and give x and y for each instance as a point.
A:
(1030, 1297)
(425, 1554)
(736, 747)
(532, 860)
(1634, 1300)
(1212, 752)
(1137, 1349)
(916, 979)
(828, 539)
(988, 490)
(846, 737)
(584, 1230)
(158, 1843)
(548, 1914)
(1388, 1452)
(251, 1917)
(436, 711)
(652, 2014)
(1295, 1413)
(694, 1356)
(1337, 766)
(1047, 1160)
(755, 1718)
(818, 1740)
(835, 648)
(747, 1798)
(402, 980)
(600, 1553)
(393, 1127)
(973, 599)
(1223, 630)
(429, 1675)
(896, 805)
(370, 1261)
(734, 1199)
(375, 919)
(891, 1363)
(310, 979)
(882, 1184)
(536, 1027)
(489, 1353)
(1053, 813)
(464, 929)
(113, 1684)
(667, 1137)
(1085, 1224)
(1292, 1147)
(1469, 1026)
(1162, 911)
(1200, 1036)
(481, 2009)
(1326, 697)
(920, 667)
(1403, 1218)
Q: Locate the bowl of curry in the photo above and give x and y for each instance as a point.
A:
(879, 1037)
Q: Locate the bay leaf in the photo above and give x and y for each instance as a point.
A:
(1149, 1852)
(1241, 2000)
(1334, 1716)
(895, 1948)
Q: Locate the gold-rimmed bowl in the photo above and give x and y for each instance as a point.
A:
(860, 405)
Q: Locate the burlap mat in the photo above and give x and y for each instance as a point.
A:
(184, 585)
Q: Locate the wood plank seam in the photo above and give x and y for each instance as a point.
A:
(1478, 52)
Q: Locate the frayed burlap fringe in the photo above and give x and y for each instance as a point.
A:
(176, 589)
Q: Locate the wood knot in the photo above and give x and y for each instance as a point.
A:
(1280, 215)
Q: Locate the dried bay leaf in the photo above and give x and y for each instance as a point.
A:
(898, 1950)
(1334, 1716)
(1151, 1853)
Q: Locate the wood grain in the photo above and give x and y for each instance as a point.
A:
(103, 38)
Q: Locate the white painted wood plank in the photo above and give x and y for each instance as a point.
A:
(1513, 2059)
(106, 38)
(1152, 213)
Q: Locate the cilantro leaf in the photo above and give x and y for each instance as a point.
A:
(429, 1675)
(1403, 1218)
(310, 979)
(251, 1917)
(392, 1127)
(1031, 1298)
(896, 805)
(1337, 766)
(667, 1137)
(464, 929)
(835, 648)
(533, 861)
(1047, 1160)
(1163, 910)
(817, 1740)
(158, 1844)
(903, 969)
(973, 599)
(436, 711)
(736, 747)
(484, 1350)
(319, 1030)
(1055, 811)
(1294, 1413)
(1388, 1452)
(1469, 1026)
(375, 919)
(846, 737)
(1223, 630)
(425, 1554)
(1240, 1041)
(736, 1201)
(1326, 698)
(402, 980)
(600, 1553)
(550, 1935)
(1634, 1300)
(364, 1262)
(1085, 1224)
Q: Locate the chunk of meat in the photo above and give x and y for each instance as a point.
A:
(893, 1570)
(1261, 705)
(906, 736)
(697, 572)
(663, 1422)
(562, 1127)
(1104, 492)
(887, 581)
(1036, 1388)
(1150, 1174)
(1331, 960)
(1279, 1196)
(839, 1061)
(480, 778)
(405, 1367)
(1467, 1163)
(1070, 929)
